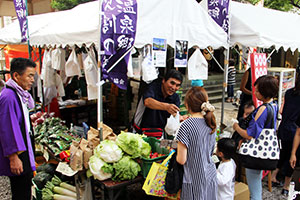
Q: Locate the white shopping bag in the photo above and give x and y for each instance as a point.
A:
(197, 66)
(172, 125)
(72, 65)
(90, 70)
(149, 71)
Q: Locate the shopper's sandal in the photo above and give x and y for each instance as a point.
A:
(285, 192)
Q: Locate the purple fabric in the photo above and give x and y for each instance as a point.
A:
(11, 140)
(118, 28)
(255, 127)
(20, 6)
(26, 96)
(218, 10)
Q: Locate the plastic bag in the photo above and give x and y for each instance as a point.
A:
(172, 125)
(90, 69)
(72, 65)
(197, 66)
(150, 73)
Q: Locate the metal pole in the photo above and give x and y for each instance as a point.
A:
(242, 56)
(270, 54)
(215, 59)
(99, 102)
(43, 95)
(28, 42)
(226, 63)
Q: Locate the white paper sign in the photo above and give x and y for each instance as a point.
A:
(159, 52)
(181, 53)
(65, 169)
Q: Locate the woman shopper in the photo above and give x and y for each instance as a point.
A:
(266, 88)
(286, 132)
(196, 141)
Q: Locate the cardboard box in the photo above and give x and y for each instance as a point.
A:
(241, 191)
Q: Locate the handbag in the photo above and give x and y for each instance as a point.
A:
(155, 181)
(174, 176)
(262, 153)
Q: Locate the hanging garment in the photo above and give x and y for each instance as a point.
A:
(58, 59)
(72, 65)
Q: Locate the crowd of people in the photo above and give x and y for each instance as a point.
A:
(255, 137)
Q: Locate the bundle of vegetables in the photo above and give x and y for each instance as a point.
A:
(58, 190)
(39, 117)
(133, 144)
(54, 134)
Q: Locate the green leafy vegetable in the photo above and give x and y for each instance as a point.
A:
(108, 151)
(107, 168)
(95, 165)
(126, 169)
(133, 144)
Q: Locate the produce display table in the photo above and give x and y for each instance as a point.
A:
(113, 188)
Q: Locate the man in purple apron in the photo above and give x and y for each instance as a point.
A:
(16, 152)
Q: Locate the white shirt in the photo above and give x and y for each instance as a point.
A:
(225, 180)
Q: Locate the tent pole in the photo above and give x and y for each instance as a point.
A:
(242, 56)
(270, 54)
(226, 63)
(100, 98)
(215, 59)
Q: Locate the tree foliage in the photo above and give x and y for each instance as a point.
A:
(66, 4)
(283, 5)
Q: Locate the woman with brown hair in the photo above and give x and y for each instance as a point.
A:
(266, 88)
(196, 140)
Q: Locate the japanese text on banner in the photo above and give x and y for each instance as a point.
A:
(21, 11)
(218, 10)
(118, 28)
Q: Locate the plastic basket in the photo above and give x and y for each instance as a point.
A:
(155, 147)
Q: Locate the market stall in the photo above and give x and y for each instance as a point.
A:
(68, 28)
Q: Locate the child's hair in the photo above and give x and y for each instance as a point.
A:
(227, 146)
(194, 99)
(248, 104)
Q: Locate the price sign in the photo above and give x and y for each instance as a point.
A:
(65, 169)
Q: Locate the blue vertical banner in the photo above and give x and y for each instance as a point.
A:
(118, 29)
(218, 10)
(21, 11)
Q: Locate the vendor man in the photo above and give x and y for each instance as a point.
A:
(159, 102)
(16, 153)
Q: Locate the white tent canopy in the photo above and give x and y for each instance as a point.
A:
(169, 19)
(254, 26)
(177, 20)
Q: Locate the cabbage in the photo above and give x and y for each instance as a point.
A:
(126, 169)
(108, 151)
(95, 165)
(133, 144)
